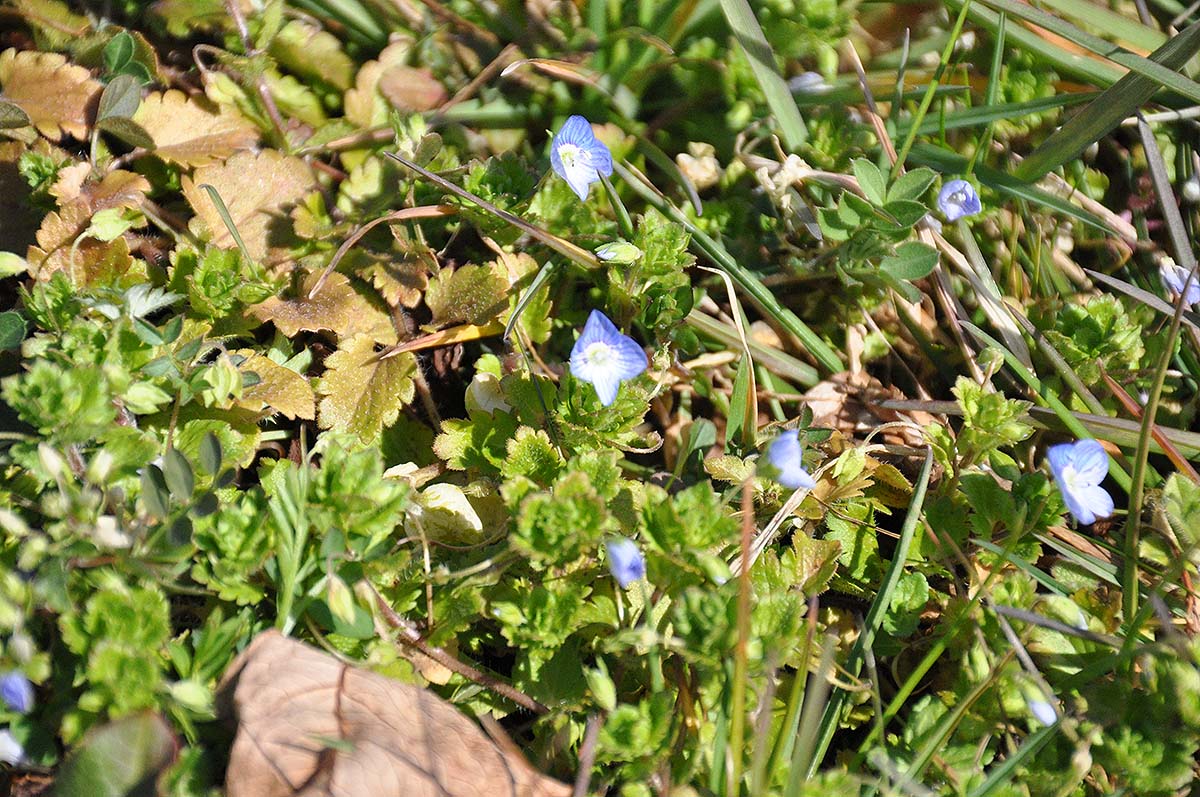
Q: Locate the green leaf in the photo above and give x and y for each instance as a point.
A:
(124, 758)
(12, 330)
(470, 294)
(11, 115)
(911, 185)
(870, 180)
(178, 474)
(127, 130)
(154, 492)
(913, 260)
(210, 454)
(120, 99)
(118, 52)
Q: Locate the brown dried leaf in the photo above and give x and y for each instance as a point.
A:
(86, 260)
(472, 294)
(59, 97)
(364, 105)
(118, 189)
(258, 189)
(193, 131)
(338, 307)
(280, 388)
(399, 281)
(362, 394)
(848, 402)
(392, 739)
(411, 89)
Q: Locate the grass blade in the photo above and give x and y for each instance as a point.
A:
(833, 709)
(1114, 104)
(749, 35)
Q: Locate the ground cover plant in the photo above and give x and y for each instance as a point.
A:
(705, 398)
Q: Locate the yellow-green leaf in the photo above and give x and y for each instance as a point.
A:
(361, 394)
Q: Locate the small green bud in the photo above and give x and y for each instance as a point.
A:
(620, 252)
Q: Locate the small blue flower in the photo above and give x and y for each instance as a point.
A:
(625, 561)
(1078, 469)
(784, 455)
(1042, 711)
(606, 358)
(11, 751)
(578, 156)
(1176, 277)
(958, 200)
(16, 691)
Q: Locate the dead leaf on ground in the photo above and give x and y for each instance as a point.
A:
(360, 393)
(309, 725)
(62, 247)
(193, 131)
(411, 89)
(338, 307)
(281, 389)
(364, 104)
(59, 97)
(849, 403)
(258, 189)
(118, 189)
(471, 294)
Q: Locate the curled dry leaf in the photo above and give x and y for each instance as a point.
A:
(338, 307)
(118, 189)
(279, 388)
(59, 97)
(309, 725)
(362, 394)
(411, 89)
(364, 104)
(258, 189)
(193, 131)
(849, 403)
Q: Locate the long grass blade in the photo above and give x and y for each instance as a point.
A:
(749, 35)
(874, 619)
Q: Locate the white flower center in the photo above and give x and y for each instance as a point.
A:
(1071, 478)
(598, 355)
(569, 153)
(959, 198)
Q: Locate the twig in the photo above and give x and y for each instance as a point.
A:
(587, 756)
(412, 638)
(264, 91)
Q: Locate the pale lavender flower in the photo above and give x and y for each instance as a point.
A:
(1078, 469)
(625, 561)
(784, 455)
(16, 691)
(958, 200)
(11, 751)
(605, 358)
(1042, 711)
(1176, 278)
(578, 157)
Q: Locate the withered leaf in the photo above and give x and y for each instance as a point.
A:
(280, 388)
(470, 294)
(311, 52)
(193, 131)
(258, 189)
(362, 394)
(57, 96)
(411, 89)
(364, 105)
(118, 189)
(61, 247)
(338, 307)
(401, 281)
(309, 725)
(54, 24)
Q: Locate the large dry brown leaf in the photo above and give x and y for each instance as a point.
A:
(258, 189)
(364, 104)
(337, 307)
(310, 726)
(281, 389)
(118, 189)
(59, 97)
(410, 88)
(192, 131)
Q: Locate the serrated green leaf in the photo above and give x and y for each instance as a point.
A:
(362, 394)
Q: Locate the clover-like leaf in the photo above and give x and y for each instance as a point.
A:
(56, 95)
(192, 131)
(362, 394)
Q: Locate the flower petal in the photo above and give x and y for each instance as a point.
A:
(630, 359)
(576, 130)
(1059, 457)
(1090, 460)
(784, 454)
(625, 561)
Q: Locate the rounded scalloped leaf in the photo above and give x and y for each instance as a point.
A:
(58, 96)
(362, 394)
(258, 188)
(193, 131)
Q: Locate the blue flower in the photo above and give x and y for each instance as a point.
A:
(11, 751)
(958, 200)
(606, 358)
(784, 455)
(625, 561)
(16, 691)
(578, 156)
(1078, 469)
(1176, 277)
(1042, 711)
